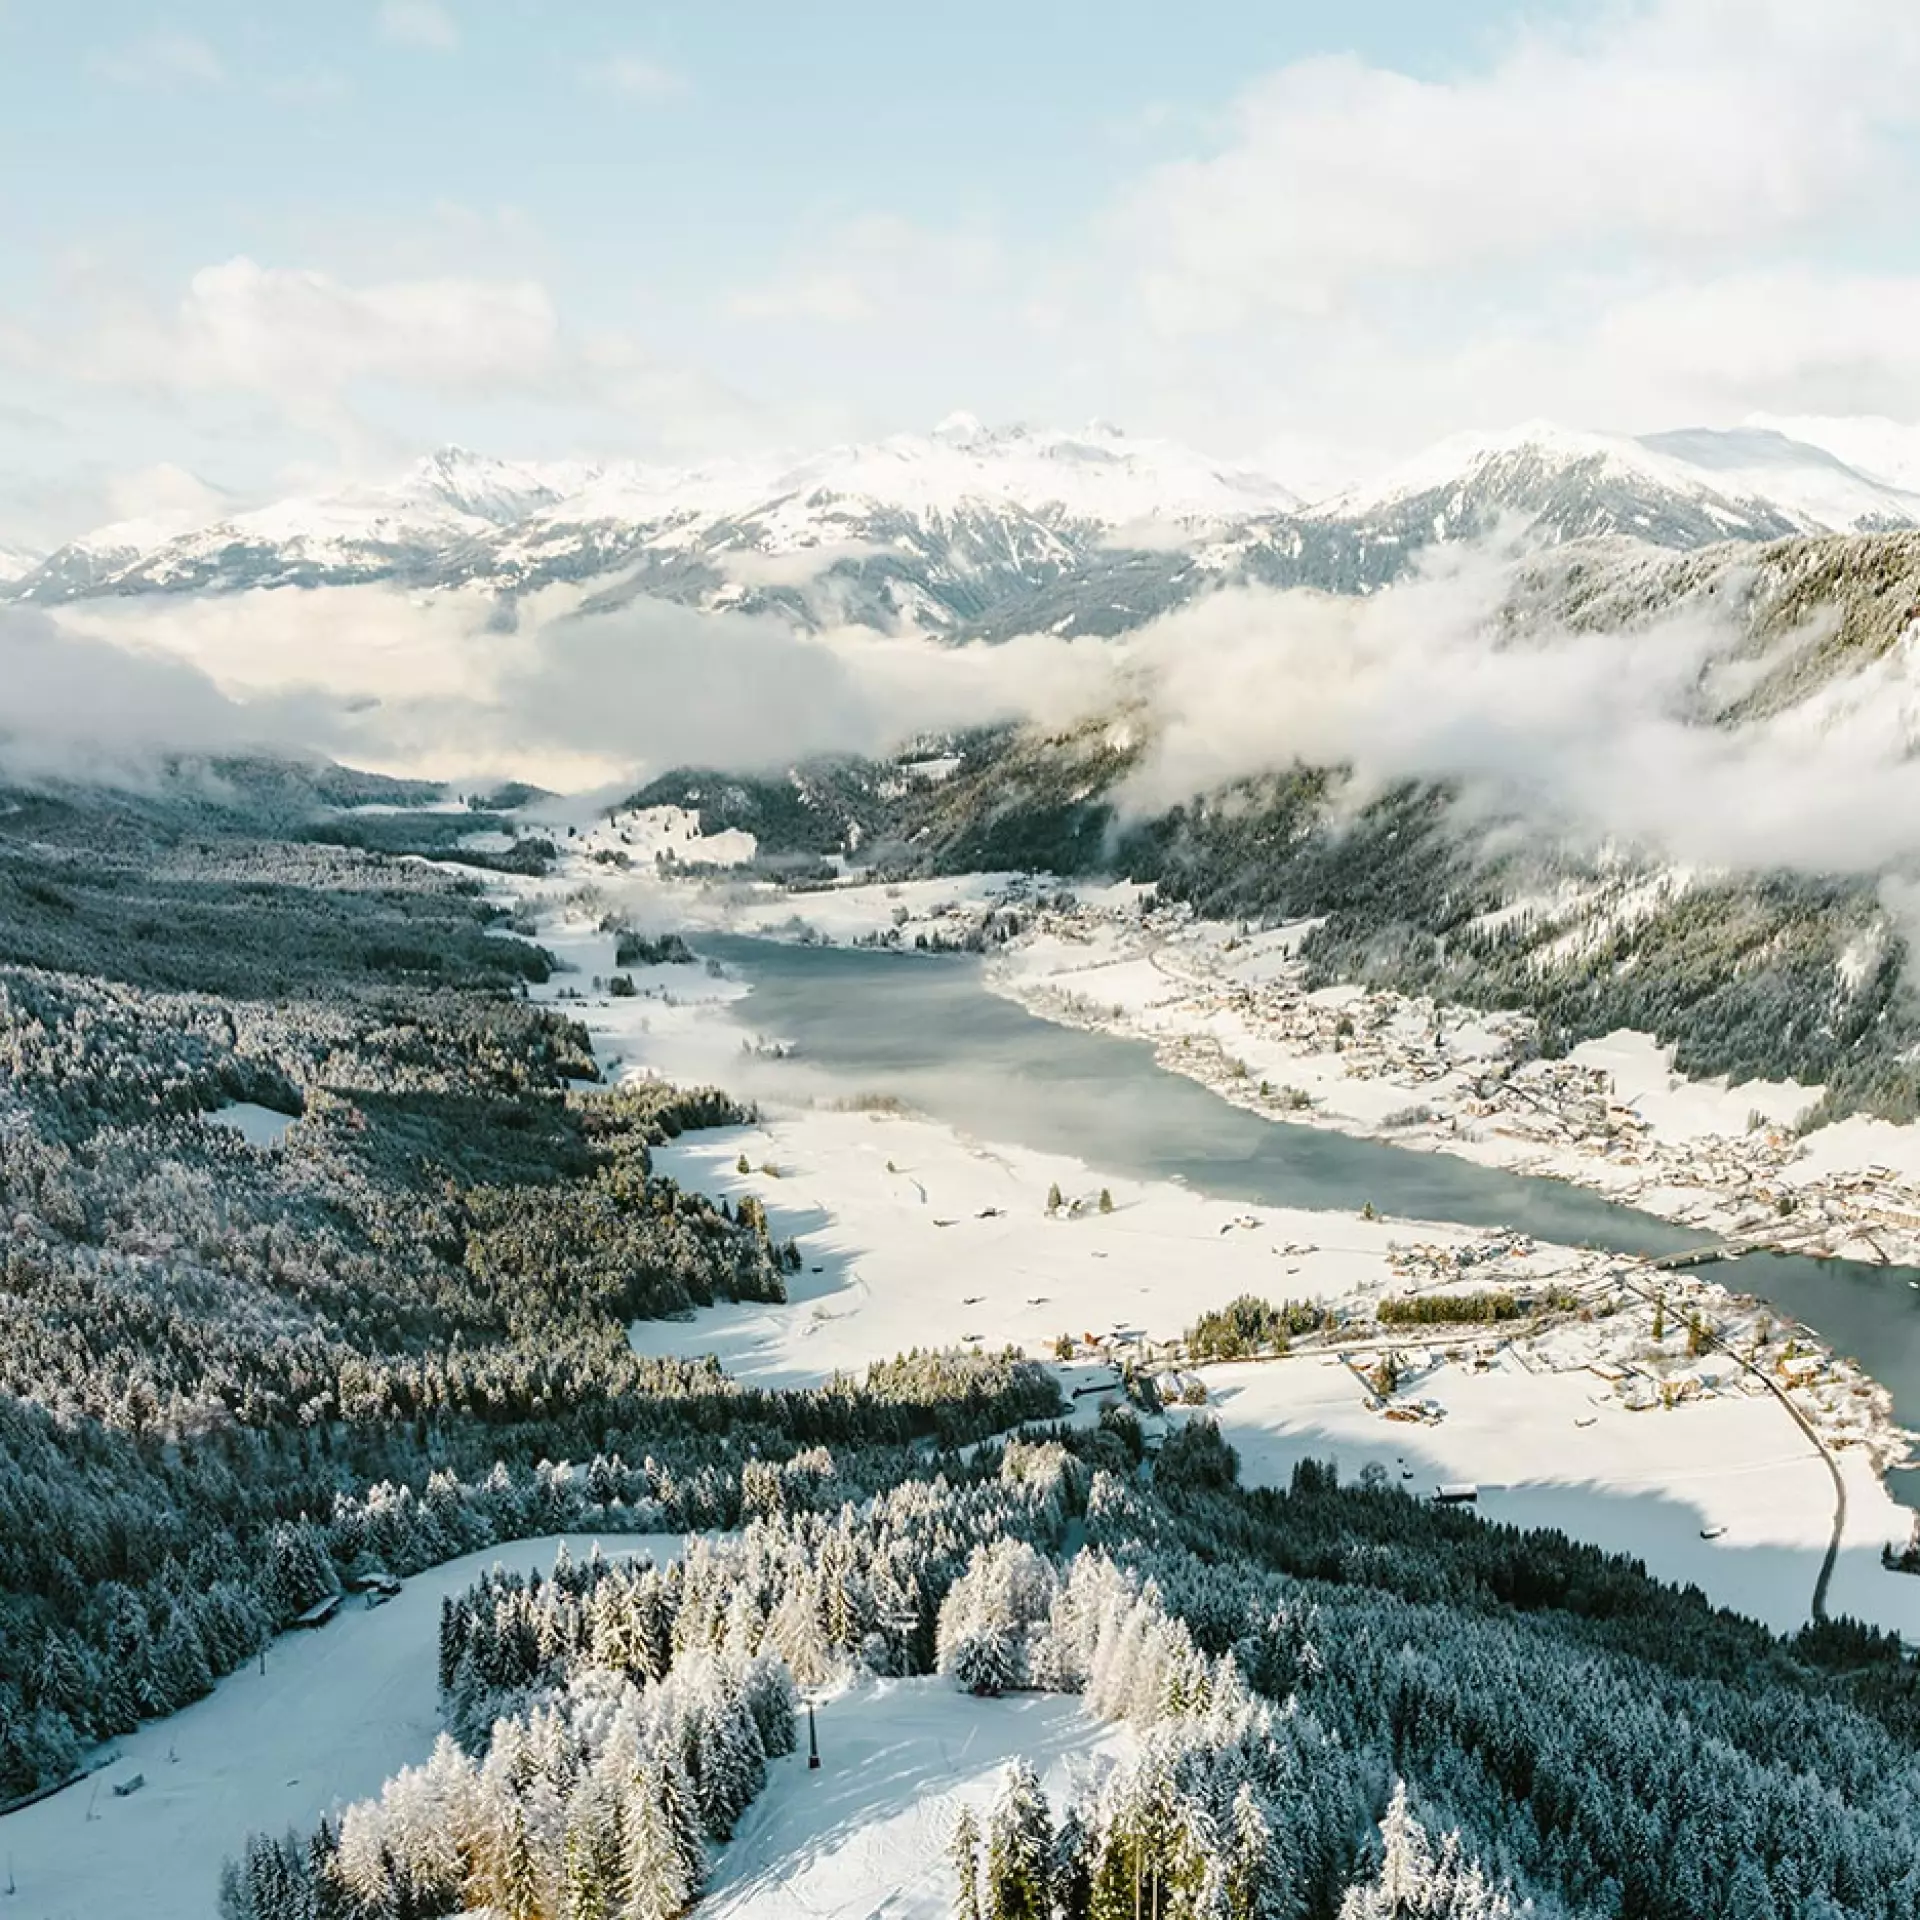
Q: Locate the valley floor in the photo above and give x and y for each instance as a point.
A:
(912, 1233)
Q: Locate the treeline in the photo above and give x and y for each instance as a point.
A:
(1344, 1704)
(226, 1373)
(1468, 1309)
(1772, 976)
(1249, 1326)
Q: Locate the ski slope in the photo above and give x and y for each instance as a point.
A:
(335, 1713)
(867, 1834)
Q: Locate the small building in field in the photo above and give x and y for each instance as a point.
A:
(320, 1612)
(1456, 1493)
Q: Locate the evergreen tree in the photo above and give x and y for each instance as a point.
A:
(963, 1850)
(654, 1882)
(1019, 1875)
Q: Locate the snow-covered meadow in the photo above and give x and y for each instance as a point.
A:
(869, 1832)
(333, 1715)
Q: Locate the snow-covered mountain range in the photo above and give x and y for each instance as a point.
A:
(966, 531)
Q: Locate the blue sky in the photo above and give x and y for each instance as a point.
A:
(246, 244)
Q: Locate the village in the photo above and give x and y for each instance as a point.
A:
(1633, 1337)
(1234, 1010)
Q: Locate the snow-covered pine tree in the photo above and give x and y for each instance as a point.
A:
(654, 1881)
(1019, 1877)
(963, 1850)
(590, 1867)
(731, 1764)
(1254, 1889)
(1412, 1884)
(516, 1885)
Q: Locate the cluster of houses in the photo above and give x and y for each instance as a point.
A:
(1481, 1076)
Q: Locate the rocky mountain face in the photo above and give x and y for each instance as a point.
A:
(969, 534)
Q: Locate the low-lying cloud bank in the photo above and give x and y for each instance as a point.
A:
(77, 708)
(1598, 736)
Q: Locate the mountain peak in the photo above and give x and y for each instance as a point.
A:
(960, 427)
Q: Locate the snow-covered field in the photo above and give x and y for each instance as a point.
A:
(912, 1233)
(258, 1126)
(335, 1713)
(1558, 1450)
(867, 1834)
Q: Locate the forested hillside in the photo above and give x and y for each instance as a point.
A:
(1778, 975)
(1343, 1702)
(229, 1370)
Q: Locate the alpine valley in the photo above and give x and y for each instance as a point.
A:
(1220, 1188)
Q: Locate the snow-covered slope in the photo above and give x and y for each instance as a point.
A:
(1098, 476)
(1885, 450)
(967, 532)
(333, 1715)
(16, 563)
(411, 527)
(1570, 485)
(927, 530)
(1818, 487)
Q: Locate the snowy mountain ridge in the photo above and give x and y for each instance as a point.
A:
(967, 531)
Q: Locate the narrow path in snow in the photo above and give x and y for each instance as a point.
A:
(1824, 1579)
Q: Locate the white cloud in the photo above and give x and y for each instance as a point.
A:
(326, 355)
(162, 59)
(164, 491)
(635, 77)
(1785, 338)
(1682, 127)
(418, 23)
(74, 706)
(304, 340)
(878, 267)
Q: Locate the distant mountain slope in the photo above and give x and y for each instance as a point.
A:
(1807, 482)
(1479, 899)
(1804, 614)
(966, 533)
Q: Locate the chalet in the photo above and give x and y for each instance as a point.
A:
(320, 1612)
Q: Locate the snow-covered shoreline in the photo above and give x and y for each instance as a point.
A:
(913, 1233)
(1233, 1011)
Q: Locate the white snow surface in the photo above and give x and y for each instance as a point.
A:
(1724, 472)
(1098, 474)
(867, 1834)
(1806, 480)
(337, 1712)
(1559, 1450)
(1883, 449)
(1454, 460)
